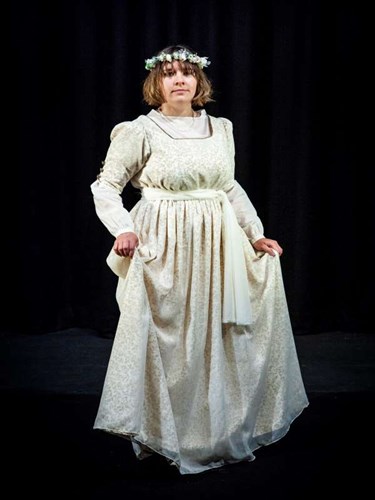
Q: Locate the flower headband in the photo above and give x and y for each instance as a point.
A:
(179, 55)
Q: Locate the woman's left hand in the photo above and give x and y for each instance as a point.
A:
(267, 245)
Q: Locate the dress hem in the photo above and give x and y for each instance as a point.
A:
(281, 432)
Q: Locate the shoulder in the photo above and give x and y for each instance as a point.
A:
(128, 128)
(226, 129)
(222, 122)
(227, 124)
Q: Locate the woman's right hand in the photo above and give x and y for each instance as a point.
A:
(125, 244)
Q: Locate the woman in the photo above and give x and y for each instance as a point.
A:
(203, 368)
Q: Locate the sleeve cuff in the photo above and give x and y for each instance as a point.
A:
(125, 229)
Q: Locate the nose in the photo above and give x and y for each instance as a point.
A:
(179, 78)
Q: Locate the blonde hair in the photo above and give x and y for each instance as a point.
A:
(152, 85)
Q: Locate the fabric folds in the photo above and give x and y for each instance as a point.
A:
(203, 368)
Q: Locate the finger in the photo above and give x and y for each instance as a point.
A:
(118, 250)
(123, 251)
(268, 249)
(276, 247)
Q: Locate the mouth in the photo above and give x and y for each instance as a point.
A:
(179, 90)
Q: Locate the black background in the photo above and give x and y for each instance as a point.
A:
(291, 75)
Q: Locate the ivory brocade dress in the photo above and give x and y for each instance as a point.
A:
(203, 368)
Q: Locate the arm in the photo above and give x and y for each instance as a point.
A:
(126, 155)
(246, 214)
(248, 219)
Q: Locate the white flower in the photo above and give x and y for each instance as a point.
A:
(179, 55)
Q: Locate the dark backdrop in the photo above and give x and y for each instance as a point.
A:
(289, 74)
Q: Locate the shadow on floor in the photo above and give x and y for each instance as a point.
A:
(53, 452)
(50, 388)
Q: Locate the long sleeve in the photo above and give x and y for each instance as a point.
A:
(246, 214)
(126, 155)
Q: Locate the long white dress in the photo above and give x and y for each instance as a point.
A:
(182, 380)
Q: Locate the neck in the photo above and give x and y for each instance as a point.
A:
(169, 110)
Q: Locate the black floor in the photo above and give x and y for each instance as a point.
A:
(51, 386)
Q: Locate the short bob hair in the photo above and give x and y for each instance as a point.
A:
(152, 88)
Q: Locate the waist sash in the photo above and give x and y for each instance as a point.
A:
(236, 301)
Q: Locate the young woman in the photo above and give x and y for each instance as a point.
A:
(203, 369)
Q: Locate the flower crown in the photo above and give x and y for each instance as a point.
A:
(178, 55)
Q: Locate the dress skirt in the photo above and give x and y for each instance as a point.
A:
(180, 382)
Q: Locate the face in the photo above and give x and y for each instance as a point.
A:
(178, 84)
